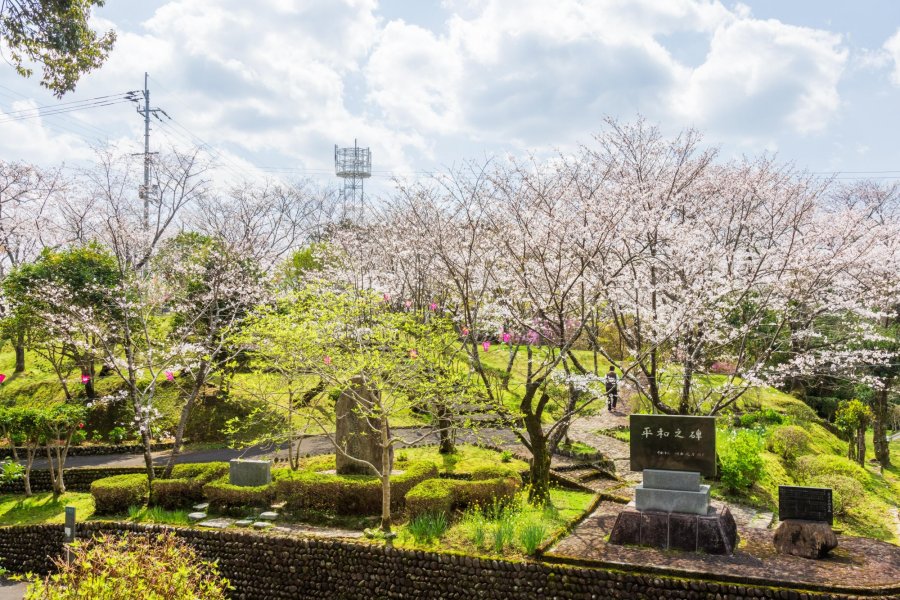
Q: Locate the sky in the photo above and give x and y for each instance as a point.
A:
(269, 87)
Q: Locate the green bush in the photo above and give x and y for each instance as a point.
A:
(131, 566)
(444, 495)
(431, 497)
(817, 465)
(846, 492)
(761, 417)
(493, 472)
(115, 494)
(186, 485)
(347, 494)
(740, 458)
(117, 435)
(789, 442)
(224, 496)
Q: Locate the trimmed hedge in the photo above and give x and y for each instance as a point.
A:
(115, 494)
(347, 494)
(186, 485)
(444, 495)
(224, 496)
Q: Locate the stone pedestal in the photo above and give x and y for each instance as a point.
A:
(249, 473)
(672, 491)
(809, 539)
(713, 533)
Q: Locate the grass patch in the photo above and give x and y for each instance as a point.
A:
(463, 462)
(42, 508)
(157, 514)
(513, 530)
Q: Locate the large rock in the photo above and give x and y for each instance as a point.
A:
(359, 435)
(809, 539)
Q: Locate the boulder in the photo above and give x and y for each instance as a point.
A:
(809, 539)
(359, 435)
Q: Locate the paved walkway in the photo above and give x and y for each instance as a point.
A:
(11, 590)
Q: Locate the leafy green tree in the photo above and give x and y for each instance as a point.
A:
(853, 418)
(57, 35)
(320, 339)
(63, 302)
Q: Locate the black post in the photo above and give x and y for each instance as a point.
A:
(69, 531)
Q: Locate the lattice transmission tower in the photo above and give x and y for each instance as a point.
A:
(354, 166)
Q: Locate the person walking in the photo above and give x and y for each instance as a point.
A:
(611, 381)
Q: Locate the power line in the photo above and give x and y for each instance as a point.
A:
(62, 111)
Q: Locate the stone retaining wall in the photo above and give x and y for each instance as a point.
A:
(264, 566)
(76, 480)
(94, 450)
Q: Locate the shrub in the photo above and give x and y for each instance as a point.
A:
(761, 417)
(432, 496)
(186, 485)
(223, 495)
(115, 494)
(347, 494)
(131, 566)
(816, 465)
(723, 367)
(78, 437)
(789, 442)
(444, 495)
(846, 492)
(493, 472)
(741, 462)
(117, 435)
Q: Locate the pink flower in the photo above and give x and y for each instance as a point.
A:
(486, 345)
(506, 337)
(408, 303)
(465, 331)
(2, 377)
(85, 379)
(81, 426)
(327, 360)
(386, 297)
(433, 306)
(170, 376)
(414, 354)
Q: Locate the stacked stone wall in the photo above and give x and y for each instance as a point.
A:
(268, 566)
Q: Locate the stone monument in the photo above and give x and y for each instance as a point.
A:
(671, 507)
(359, 434)
(806, 515)
(249, 473)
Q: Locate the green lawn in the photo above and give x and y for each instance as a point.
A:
(42, 508)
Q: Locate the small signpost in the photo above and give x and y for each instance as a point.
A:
(69, 531)
(676, 443)
(805, 504)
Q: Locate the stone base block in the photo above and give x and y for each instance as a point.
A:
(249, 473)
(680, 501)
(688, 481)
(713, 533)
(809, 539)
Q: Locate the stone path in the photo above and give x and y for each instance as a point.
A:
(12, 590)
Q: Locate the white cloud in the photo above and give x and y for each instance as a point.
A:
(763, 75)
(892, 47)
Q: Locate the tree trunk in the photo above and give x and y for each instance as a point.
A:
(20, 353)
(539, 492)
(684, 406)
(507, 374)
(861, 446)
(182, 421)
(385, 478)
(881, 412)
(88, 371)
(851, 447)
(29, 460)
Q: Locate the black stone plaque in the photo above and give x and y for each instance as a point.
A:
(805, 503)
(675, 443)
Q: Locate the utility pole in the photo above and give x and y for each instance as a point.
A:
(145, 111)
